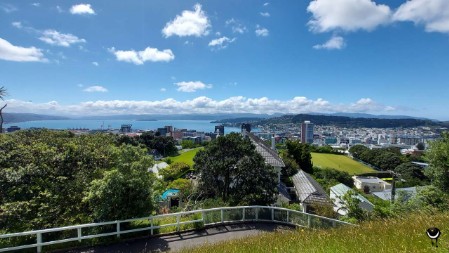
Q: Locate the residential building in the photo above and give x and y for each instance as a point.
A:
(307, 132)
(370, 184)
(219, 130)
(336, 194)
(399, 192)
(309, 191)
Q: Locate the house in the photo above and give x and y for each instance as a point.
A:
(336, 194)
(370, 184)
(406, 192)
(309, 191)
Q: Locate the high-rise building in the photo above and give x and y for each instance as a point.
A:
(246, 126)
(125, 128)
(219, 130)
(307, 132)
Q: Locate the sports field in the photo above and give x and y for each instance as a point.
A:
(339, 162)
(186, 157)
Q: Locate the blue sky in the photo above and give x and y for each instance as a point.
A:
(164, 56)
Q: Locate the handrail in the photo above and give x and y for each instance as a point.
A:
(38, 233)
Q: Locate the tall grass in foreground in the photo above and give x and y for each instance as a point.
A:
(405, 234)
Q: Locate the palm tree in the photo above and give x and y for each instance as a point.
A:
(2, 95)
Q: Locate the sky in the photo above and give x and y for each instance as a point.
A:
(180, 57)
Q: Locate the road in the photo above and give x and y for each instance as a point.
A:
(178, 241)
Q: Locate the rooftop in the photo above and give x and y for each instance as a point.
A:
(271, 156)
(308, 190)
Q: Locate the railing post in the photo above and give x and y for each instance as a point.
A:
(39, 241)
(118, 229)
(203, 217)
(309, 221)
(151, 223)
(222, 215)
(288, 216)
(178, 217)
(243, 214)
(79, 234)
(334, 224)
(272, 214)
(257, 213)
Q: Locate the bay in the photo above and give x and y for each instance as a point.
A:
(198, 125)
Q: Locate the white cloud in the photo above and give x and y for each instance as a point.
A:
(433, 14)
(261, 32)
(236, 26)
(17, 24)
(266, 4)
(201, 104)
(265, 14)
(82, 9)
(9, 52)
(36, 4)
(95, 88)
(221, 43)
(336, 42)
(95, 63)
(192, 86)
(189, 23)
(347, 15)
(140, 57)
(8, 8)
(163, 89)
(53, 37)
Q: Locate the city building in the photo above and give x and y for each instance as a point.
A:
(219, 130)
(370, 184)
(125, 128)
(307, 132)
(246, 127)
(12, 129)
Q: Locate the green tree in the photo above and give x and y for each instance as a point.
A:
(357, 151)
(412, 174)
(291, 167)
(301, 153)
(352, 206)
(185, 186)
(125, 191)
(230, 168)
(174, 171)
(438, 156)
(2, 95)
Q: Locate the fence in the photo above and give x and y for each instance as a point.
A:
(180, 221)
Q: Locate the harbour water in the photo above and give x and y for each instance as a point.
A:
(199, 125)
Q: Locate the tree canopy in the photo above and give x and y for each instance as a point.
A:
(231, 169)
(300, 152)
(438, 156)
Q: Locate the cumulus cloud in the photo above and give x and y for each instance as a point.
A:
(9, 52)
(163, 89)
(266, 4)
(17, 24)
(347, 15)
(236, 26)
(189, 23)
(200, 104)
(265, 14)
(336, 42)
(261, 32)
(192, 86)
(82, 9)
(433, 14)
(95, 63)
(95, 88)
(36, 4)
(56, 38)
(140, 57)
(221, 43)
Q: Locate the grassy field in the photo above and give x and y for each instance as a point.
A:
(397, 235)
(339, 162)
(186, 157)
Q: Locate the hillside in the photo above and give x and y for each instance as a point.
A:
(10, 118)
(406, 234)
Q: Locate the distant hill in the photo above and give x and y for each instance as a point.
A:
(10, 118)
(343, 121)
(180, 116)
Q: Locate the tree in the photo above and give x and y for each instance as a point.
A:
(174, 171)
(420, 146)
(230, 168)
(125, 191)
(352, 206)
(357, 151)
(301, 153)
(438, 155)
(291, 167)
(411, 173)
(2, 95)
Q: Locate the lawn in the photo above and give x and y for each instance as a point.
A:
(405, 234)
(186, 157)
(339, 162)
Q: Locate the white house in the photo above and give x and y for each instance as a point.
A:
(336, 194)
(374, 184)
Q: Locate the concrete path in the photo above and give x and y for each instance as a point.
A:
(176, 242)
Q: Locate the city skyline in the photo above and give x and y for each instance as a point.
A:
(160, 57)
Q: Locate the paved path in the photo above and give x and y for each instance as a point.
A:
(179, 241)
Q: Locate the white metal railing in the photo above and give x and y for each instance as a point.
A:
(212, 216)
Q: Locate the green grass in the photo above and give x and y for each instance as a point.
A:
(186, 157)
(398, 235)
(339, 162)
